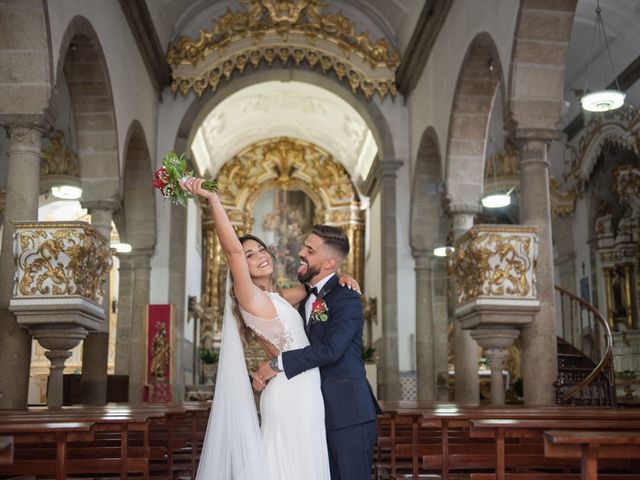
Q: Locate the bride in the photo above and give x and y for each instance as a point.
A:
(292, 444)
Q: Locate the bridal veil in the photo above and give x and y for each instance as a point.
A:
(233, 448)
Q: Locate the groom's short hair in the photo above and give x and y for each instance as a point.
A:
(334, 237)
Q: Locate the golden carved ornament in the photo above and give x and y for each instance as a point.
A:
(60, 259)
(281, 162)
(627, 186)
(562, 202)
(287, 31)
(58, 160)
(495, 262)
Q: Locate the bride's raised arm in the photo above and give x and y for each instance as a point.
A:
(250, 297)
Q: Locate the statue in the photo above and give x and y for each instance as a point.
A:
(160, 351)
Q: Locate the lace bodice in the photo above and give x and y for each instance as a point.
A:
(285, 331)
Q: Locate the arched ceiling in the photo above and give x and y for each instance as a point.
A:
(276, 109)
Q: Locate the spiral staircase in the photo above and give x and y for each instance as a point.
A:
(585, 354)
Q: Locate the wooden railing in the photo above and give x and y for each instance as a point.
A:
(583, 326)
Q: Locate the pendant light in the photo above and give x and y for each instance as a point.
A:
(606, 99)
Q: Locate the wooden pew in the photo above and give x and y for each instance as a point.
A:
(115, 457)
(6, 450)
(35, 433)
(173, 435)
(533, 428)
(589, 445)
(449, 424)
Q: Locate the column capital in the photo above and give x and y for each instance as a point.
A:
(388, 168)
(111, 205)
(544, 135)
(422, 258)
(141, 258)
(464, 208)
(43, 122)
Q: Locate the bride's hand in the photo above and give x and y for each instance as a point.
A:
(194, 187)
(349, 282)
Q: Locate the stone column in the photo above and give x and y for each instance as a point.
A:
(95, 349)
(467, 351)
(23, 184)
(496, 342)
(390, 388)
(440, 288)
(539, 347)
(141, 260)
(125, 307)
(425, 339)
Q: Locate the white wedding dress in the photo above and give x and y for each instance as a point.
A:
(292, 410)
(291, 443)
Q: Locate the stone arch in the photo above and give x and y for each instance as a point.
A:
(428, 230)
(536, 77)
(478, 82)
(369, 110)
(83, 63)
(426, 195)
(138, 201)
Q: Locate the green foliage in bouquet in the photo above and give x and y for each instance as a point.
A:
(167, 178)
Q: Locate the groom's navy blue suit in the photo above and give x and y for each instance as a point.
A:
(350, 407)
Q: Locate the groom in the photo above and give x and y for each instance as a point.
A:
(333, 322)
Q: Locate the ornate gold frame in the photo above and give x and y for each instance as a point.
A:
(280, 163)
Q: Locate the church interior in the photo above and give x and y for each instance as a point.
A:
(481, 156)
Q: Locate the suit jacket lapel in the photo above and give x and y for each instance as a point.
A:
(303, 312)
(330, 285)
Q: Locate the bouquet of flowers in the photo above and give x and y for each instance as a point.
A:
(167, 178)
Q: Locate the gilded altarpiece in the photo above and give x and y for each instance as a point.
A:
(278, 189)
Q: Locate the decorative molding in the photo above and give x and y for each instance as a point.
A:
(620, 129)
(430, 22)
(141, 25)
(492, 262)
(288, 31)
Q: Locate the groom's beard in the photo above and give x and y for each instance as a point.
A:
(309, 274)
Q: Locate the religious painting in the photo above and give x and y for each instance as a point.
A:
(159, 352)
(283, 219)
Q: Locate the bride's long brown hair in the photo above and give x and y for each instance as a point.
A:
(245, 332)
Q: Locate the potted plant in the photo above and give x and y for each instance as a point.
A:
(209, 358)
(369, 359)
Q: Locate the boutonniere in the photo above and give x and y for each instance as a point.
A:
(319, 311)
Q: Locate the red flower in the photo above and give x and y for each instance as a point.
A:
(319, 311)
(160, 178)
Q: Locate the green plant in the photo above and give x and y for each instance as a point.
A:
(208, 355)
(368, 354)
